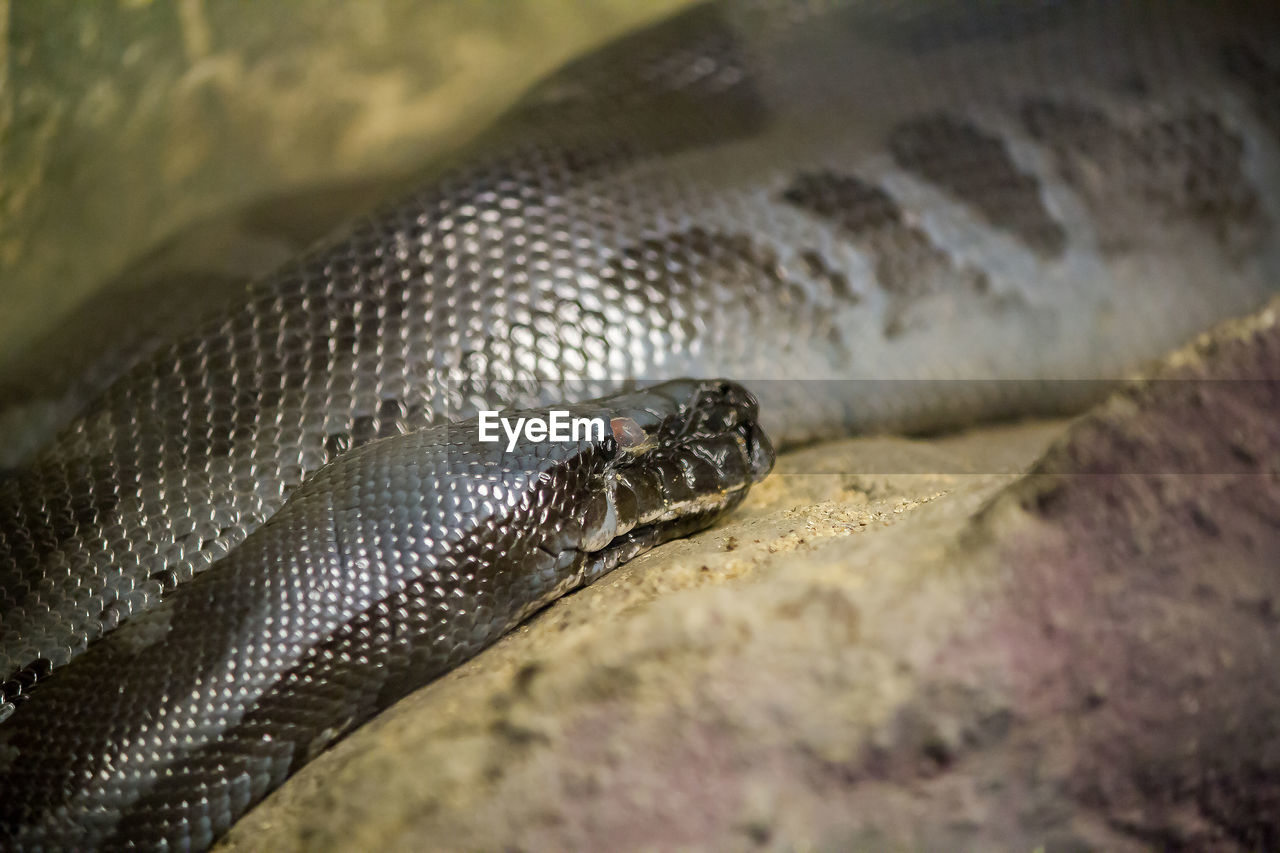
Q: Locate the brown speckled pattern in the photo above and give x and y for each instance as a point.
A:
(977, 168)
(908, 266)
(1186, 169)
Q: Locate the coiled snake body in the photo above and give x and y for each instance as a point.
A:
(878, 217)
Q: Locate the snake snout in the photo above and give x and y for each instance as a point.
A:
(729, 408)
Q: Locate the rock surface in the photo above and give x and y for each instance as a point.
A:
(1080, 658)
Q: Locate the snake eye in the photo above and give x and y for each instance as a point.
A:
(629, 434)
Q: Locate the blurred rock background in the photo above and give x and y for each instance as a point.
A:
(124, 121)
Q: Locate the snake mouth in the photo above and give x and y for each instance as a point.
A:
(687, 453)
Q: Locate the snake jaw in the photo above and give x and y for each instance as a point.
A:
(601, 518)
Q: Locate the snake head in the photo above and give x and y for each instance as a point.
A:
(678, 456)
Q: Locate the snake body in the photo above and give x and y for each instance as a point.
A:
(387, 568)
(878, 216)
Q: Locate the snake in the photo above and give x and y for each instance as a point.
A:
(874, 216)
